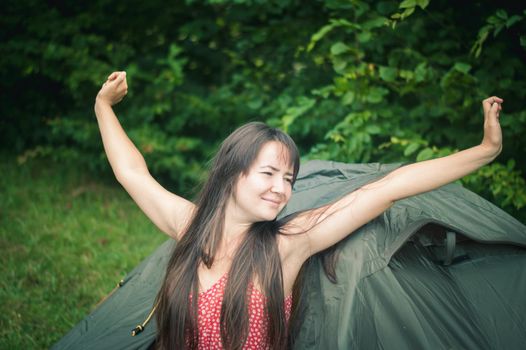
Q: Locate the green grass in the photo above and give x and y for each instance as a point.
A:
(66, 239)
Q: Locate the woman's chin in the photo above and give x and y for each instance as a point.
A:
(268, 216)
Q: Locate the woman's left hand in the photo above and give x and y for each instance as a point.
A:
(492, 132)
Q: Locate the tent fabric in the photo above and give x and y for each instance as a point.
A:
(402, 283)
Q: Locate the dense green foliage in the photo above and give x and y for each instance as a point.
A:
(65, 241)
(353, 81)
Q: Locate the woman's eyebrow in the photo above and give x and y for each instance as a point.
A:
(274, 168)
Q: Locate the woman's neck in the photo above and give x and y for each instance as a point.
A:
(233, 235)
(235, 226)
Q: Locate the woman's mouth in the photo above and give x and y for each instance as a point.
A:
(274, 202)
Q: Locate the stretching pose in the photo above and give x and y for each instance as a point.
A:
(229, 281)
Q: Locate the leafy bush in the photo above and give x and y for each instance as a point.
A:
(354, 81)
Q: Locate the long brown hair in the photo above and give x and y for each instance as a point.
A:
(256, 257)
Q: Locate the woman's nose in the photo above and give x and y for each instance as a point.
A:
(278, 186)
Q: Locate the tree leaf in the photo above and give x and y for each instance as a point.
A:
(502, 14)
(348, 98)
(411, 148)
(319, 35)
(376, 94)
(339, 65)
(407, 4)
(387, 74)
(376, 22)
(462, 67)
(373, 129)
(425, 154)
(339, 48)
(512, 20)
(422, 3)
(421, 72)
(408, 12)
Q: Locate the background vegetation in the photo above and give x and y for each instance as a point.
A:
(65, 242)
(350, 80)
(355, 81)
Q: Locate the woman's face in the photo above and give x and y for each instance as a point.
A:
(266, 188)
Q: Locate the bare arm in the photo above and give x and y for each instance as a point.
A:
(169, 212)
(328, 225)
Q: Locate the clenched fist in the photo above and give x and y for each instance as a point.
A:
(492, 132)
(114, 89)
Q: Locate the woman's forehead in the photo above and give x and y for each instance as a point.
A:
(275, 154)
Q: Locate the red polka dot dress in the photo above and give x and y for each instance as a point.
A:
(209, 313)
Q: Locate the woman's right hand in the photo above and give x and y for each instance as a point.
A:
(114, 89)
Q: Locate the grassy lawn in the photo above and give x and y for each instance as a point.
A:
(66, 239)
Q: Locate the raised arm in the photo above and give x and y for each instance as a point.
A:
(328, 225)
(169, 212)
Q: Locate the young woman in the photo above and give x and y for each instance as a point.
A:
(229, 281)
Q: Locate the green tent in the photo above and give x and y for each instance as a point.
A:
(441, 270)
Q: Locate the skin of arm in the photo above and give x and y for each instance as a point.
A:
(328, 225)
(169, 212)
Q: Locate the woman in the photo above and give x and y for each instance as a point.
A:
(230, 279)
